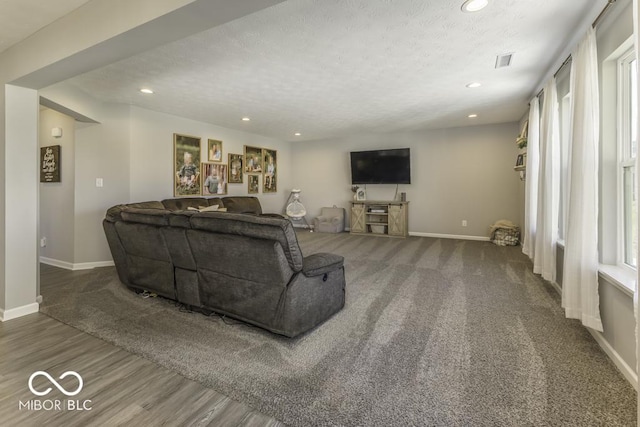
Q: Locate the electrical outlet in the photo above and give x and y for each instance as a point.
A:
(43, 242)
(99, 182)
(464, 222)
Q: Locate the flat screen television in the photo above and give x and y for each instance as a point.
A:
(381, 166)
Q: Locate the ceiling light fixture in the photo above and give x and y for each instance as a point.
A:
(474, 5)
(246, 119)
(145, 90)
(297, 134)
(474, 85)
(472, 116)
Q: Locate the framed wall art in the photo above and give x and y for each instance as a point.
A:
(50, 164)
(214, 179)
(235, 168)
(186, 161)
(252, 159)
(253, 186)
(269, 170)
(214, 150)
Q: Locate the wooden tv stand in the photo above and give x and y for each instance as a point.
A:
(380, 218)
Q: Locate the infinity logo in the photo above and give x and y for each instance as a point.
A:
(55, 383)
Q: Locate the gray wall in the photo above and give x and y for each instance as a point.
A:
(152, 156)
(57, 202)
(102, 151)
(131, 149)
(457, 174)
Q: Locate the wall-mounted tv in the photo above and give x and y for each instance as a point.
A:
(381, 166)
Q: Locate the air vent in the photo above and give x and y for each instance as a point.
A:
(503, 60)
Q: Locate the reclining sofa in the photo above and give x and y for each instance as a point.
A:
(239, 263)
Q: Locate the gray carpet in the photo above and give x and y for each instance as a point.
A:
(434, 332)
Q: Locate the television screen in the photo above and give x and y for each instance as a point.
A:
(381, 167)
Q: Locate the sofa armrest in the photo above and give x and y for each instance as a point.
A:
(321, 263)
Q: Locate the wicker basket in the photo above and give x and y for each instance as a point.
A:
(506, 237)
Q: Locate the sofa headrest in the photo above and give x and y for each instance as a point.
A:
(182, 204)
(259, 227)
(114, 213)
(243, 205)
(159, 217)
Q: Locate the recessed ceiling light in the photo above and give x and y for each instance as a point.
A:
(472, 116)
(246, 119)
(145, 90)
(474, 5)
(474, 85)
(297, 134)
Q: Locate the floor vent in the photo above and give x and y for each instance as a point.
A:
(503, 60)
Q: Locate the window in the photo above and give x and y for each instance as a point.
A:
(627, 151)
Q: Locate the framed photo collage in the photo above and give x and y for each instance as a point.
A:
(210, 176)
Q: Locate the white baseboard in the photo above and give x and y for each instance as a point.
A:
(622, 366)
(449, 236)
(14, 313)
(626, 370)
(76, 266)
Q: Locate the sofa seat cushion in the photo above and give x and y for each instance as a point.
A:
(321, 263)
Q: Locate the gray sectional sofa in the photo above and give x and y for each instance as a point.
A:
(239, 263)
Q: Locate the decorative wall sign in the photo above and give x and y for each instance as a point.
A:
(50, 164)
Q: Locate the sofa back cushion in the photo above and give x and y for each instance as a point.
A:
(243, 205)
(184, 203)
(254, 227)
(158, 217)
(239, 257)
(114, 213)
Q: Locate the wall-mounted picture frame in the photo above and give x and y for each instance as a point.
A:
(214, 179)
(186, 161)
(269, 170)
(236, 162)
(214, 150)
(252, 159)
(361, 194)
(253, 184)
(50, 163)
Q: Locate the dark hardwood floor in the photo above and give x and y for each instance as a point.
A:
(123, 389)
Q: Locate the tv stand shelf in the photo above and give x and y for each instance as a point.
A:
(380, 218)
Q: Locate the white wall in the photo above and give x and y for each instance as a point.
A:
(152, 156)
(460, 173)
(57, 198)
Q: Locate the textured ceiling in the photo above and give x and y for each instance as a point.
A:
(21, 18)
(329, 68)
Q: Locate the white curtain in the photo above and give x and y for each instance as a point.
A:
(636, 39)
(544, 260)
(580, 269)
(531, 183)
